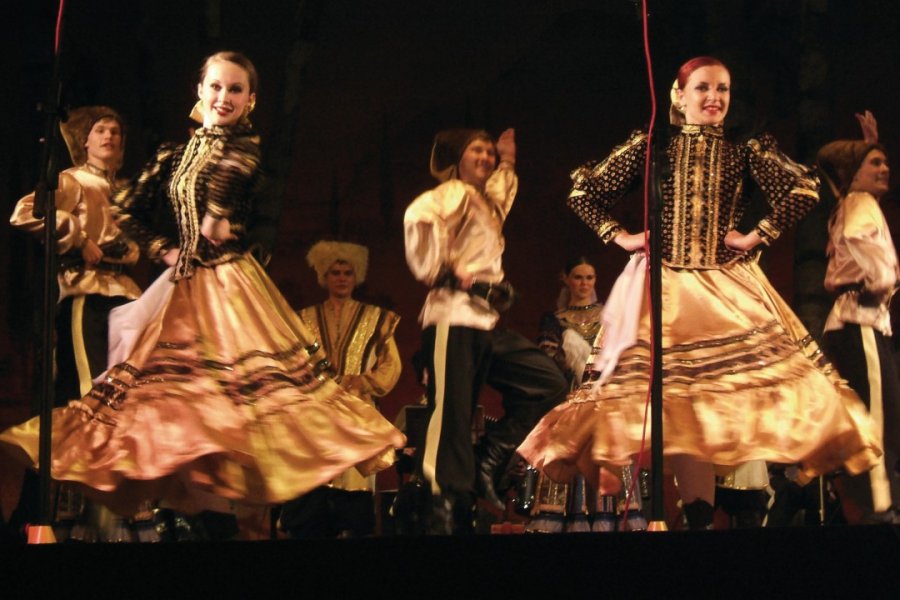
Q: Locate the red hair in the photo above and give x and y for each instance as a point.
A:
(698, 62)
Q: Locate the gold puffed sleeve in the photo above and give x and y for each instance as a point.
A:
(425, 229)
(69, 215)
(791, 189)
(597, 186)
(868, 243)
(501, 188)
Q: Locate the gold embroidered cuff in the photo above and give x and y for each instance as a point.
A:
(217, 211)
(607, 231)
(157, 248)
(768, 232)
(809, 190)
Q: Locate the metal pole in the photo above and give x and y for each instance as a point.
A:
(658, 167)
(45, 206)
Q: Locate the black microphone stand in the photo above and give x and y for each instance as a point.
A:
(45, 207)
(659, 172)
(659, 169)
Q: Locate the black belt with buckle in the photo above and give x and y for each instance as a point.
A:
(864, 298)
(500, 296)
(116, 249)
(66, 263)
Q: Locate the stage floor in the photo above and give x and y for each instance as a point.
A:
(807, 562)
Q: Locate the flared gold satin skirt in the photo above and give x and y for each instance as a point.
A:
(742, 381)
(218, 400)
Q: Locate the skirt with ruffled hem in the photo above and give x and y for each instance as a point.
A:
(742, 380)
(221, 397)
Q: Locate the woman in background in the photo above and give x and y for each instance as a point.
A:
(567, 335)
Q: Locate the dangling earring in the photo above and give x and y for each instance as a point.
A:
(248, 109)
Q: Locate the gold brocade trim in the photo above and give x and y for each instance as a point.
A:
(360, 330)
(802, 191)
(710, 130)
(215, 210)
(585, 320)
(608, 231)
(156, 247)
(769, 232)
(309, 316)
(743, 337)
(355, 354)
(112, 390)
(758, 353)
(681, 178)
(292, 370)
(182, 194)
(711, 221)
(698, 203)
(702, 176)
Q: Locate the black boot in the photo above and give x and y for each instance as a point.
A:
(491, 461)
(699, 515)
(411, 508)
(451, 514)
(526, 492)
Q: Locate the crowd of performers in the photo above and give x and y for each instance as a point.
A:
(207, 394)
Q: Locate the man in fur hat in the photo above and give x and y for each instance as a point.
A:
(454, 245)
(358, 340)
(93, 254)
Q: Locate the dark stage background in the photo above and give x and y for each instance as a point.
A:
(353, 91)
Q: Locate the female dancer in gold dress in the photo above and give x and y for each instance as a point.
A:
(217, 391)
(742, 379)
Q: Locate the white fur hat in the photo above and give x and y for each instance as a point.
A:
(323, 254)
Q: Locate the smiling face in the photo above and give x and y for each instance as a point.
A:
(104, 143)
(873, 175)
(478, 162)
(581, 281)
(706, 95)
(340, 279)
(224, 93)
